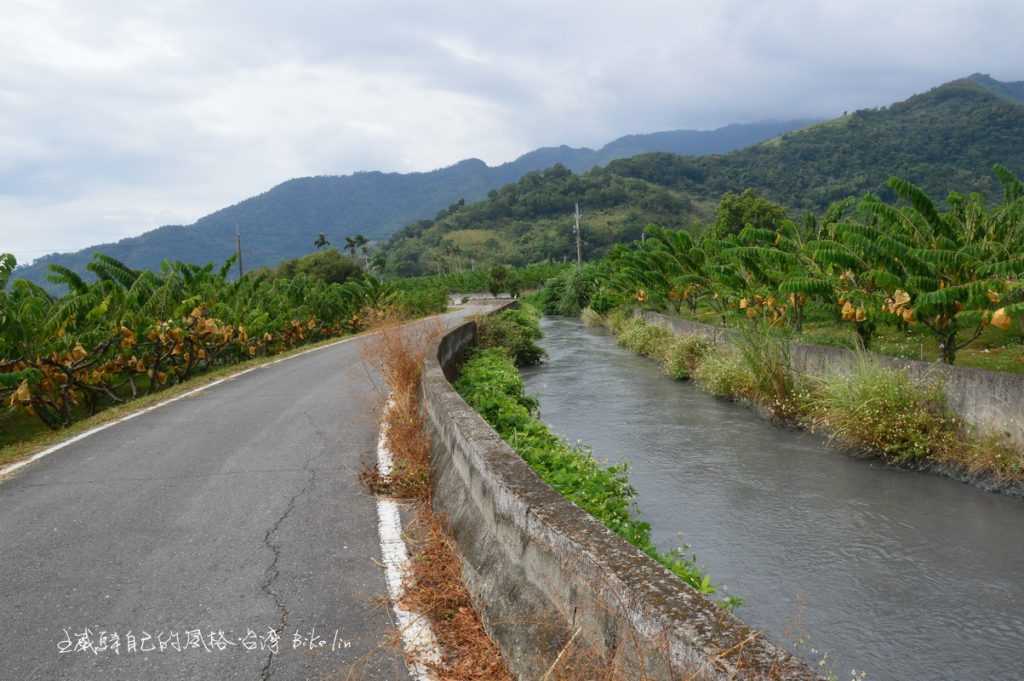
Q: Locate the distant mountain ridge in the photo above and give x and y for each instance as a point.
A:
(944, 140)
(282, 222)
(1011, 91)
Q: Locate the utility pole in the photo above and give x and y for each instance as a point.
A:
(579, 242)
(238, 249)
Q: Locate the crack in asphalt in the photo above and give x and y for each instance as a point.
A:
(273, 572)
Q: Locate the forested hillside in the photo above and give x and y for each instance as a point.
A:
(947, 139)
(282, 222)
(941, 140)
(531, 220)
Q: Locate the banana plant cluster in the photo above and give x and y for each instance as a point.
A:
(132, 332)
(952, 273)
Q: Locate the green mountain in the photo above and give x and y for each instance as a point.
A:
(532, 219)
(1012, 91)
(944, 140)
(283, 222)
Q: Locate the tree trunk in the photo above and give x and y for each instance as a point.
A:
(948, 348)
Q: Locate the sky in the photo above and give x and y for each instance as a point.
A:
(118, 117)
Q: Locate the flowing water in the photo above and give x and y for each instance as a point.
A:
(908, 576)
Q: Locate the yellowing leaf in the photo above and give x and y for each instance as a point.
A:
(23, 395)
(1001, 320)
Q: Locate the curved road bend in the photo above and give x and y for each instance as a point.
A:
(233, 510)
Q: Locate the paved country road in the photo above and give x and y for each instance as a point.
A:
(237, 509)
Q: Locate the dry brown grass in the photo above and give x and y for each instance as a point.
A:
(398, 352)
(434, 588)
(988, 455)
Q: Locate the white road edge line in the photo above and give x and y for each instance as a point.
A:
(11, 468)
(417, 636)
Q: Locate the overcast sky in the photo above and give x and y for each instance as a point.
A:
(117, 117)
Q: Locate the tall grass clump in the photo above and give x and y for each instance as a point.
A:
(616, 319)
(725, 374)
(765, 352)
(879, 409)
(643, 338)
(683, 354)
(591, 318)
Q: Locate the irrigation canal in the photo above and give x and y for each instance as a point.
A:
(905, 575)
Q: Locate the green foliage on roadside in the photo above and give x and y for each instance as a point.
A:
(517, 330)
(491, 384)
(133, 332)
(479, 280)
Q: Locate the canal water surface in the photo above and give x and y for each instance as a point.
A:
(908, 576)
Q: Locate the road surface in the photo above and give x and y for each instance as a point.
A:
(218, 528)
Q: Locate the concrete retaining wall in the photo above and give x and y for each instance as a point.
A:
(541, 571)
(992, 401)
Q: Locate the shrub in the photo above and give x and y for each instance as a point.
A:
(604, 301)
(517, 330)
(880, 409)
(683, 354)
(569, 293)
(723, 372)
(643, 338)
(499, 280)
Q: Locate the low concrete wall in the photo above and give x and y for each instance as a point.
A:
(541, 571)
(992, 401)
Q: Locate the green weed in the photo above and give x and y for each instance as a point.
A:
(517, 330)
(682, 355)
(491, 384)
(878, 408)
(644, 339)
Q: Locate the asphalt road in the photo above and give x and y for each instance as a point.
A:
(236, 510)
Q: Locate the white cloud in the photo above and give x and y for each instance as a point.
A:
(116, 118)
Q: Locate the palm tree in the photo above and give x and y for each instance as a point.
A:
(351, 245)
(321, 241)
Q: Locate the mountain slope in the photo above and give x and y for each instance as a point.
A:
(282, 222)
(531, 220)
(1011, 91)
(944, 140)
